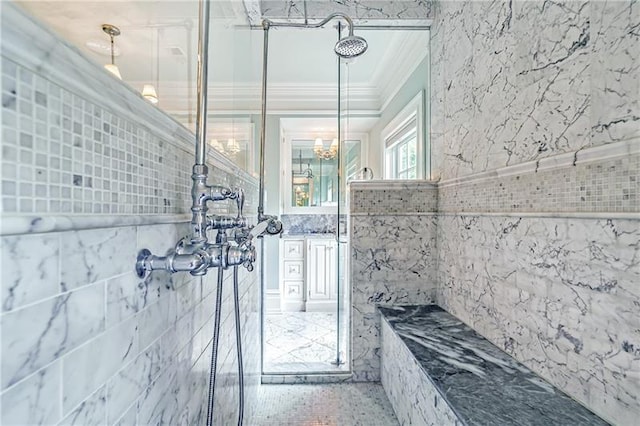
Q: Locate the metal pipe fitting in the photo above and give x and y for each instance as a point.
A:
(225, 222)
(195, 263)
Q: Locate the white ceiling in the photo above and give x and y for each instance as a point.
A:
(158, 45)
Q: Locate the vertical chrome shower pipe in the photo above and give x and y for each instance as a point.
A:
(201, 192)
(201, 81)
(266, 24)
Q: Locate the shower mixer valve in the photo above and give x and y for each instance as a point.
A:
(196, 256)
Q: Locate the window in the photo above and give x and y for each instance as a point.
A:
(403, 138)
(401, 152)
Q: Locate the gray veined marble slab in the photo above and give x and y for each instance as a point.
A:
(482, 384)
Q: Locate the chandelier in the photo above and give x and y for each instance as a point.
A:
(325, 154)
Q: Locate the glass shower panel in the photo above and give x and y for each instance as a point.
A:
(345, 163)
(231, 131)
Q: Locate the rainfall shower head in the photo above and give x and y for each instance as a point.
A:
(350, 46)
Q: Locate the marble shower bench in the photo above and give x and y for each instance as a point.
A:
(438, 371)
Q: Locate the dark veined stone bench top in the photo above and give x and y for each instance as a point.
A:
(482, 384)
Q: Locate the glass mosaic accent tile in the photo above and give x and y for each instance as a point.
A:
(62, 154)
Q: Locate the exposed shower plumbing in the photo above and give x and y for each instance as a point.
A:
(195, 254)
(347, 47)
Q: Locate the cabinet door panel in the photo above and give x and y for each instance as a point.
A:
(321, 270)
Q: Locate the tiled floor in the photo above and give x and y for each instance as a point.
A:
(344, 404)
(300, 342)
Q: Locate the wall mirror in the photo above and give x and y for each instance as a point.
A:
(310, 170)
(234, 138)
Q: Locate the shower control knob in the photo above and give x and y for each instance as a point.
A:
(249, 257)
(274, 227)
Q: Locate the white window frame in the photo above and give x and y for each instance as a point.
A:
(414, 110)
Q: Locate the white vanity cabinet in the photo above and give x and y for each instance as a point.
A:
(292, 274)
(321, 277)
(308, 274)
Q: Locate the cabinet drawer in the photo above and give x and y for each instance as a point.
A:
(293, 290)
(293, 269)
(293, 249)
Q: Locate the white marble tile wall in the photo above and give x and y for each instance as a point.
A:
(520, 81)
(83, 340)
(357, 9)
(114, 345)
(534, 83)
(559, 294)
(393, 261)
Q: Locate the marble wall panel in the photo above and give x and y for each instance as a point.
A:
(528, 80)
(21, 282)
(393, 261)
(531, 82)
(34, 400)
(558, 294)
(615, 70)
(91, 412)
(95, 255)
(40, 333)
(356, 9)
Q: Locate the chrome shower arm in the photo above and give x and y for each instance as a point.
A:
(316, 25)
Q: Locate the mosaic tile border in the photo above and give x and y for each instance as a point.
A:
(393, 198)
(589, 182)
(610, 185)
(63, 154)
(70, 151)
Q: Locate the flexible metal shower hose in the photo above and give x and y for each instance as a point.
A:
(214, 348)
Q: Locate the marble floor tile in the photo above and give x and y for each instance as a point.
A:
(300, 342)
(345, 404)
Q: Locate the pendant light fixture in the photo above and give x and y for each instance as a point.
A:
(112, 31)
(325, 154)
(149, 93)
(148, 90)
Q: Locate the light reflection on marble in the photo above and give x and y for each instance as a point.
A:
(480, 382)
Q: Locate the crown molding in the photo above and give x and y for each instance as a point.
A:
(399, 64)
(280, 96)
